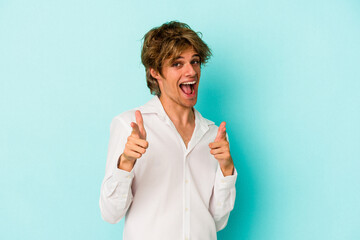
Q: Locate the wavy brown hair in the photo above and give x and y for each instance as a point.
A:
(168, 42)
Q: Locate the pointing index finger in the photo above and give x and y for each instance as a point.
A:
(140, 123)
(139, 119)
(221, 134)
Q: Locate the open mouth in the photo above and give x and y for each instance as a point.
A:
(188, 87)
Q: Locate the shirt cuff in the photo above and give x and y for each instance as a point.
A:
(123, 176)
(225, 182)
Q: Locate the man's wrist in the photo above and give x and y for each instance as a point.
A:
(228, 170)
(125, 164)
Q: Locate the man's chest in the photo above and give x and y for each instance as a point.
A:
(167, 150)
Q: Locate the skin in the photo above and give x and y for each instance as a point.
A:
(179, 108)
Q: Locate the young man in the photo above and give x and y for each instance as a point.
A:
(169, 170)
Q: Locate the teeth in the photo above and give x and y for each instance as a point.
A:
(188, 83)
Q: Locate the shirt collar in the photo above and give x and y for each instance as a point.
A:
(155, 106)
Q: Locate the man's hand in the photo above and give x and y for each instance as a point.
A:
(136, 144)
(221, 151)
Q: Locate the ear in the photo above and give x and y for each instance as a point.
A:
(155, 74)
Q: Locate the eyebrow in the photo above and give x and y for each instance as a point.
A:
(195, 55)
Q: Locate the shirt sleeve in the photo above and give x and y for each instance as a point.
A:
(115, 194)
(223, 198)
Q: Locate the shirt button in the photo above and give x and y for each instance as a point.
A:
(186, 238)
(186, 209)
(186, 181)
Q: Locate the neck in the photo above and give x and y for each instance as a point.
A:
(179, 115)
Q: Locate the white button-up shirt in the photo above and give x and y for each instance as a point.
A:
(173, 192)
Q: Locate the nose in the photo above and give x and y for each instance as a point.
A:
(190, 70)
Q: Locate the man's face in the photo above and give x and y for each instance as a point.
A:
(180, 79)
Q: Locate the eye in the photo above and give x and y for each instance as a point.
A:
(195, 61)
(176, 64)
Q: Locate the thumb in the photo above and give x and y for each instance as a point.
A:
(140, 123)
(221, 134)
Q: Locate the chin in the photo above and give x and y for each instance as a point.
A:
(190, 102)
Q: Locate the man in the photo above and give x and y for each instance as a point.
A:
(169, 170)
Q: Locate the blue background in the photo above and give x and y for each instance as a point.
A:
(284, 75)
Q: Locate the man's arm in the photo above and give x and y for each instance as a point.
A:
(116, 195)
(223, 196)
(117, 183)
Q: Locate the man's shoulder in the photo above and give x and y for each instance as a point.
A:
(129, 115)
(126, 117)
